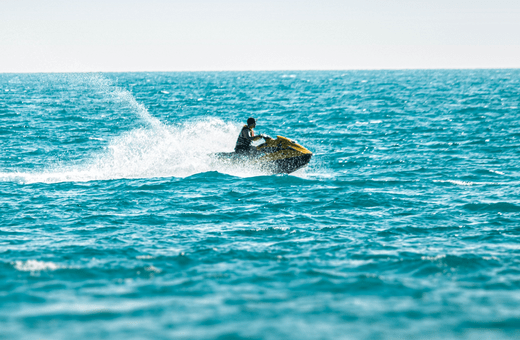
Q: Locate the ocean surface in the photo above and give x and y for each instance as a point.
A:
(117, 223)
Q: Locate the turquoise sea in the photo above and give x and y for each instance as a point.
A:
(116, 223)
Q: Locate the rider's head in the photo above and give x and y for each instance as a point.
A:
(251, 122)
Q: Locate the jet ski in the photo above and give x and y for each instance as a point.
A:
(275, 156)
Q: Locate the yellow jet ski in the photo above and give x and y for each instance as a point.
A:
(276, 156)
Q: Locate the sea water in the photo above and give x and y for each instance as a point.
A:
(117, 223)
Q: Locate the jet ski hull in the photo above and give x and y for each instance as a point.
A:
(290, 164)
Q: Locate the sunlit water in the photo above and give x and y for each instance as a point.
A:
(117, 223)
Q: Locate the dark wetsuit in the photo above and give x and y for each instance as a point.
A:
(245, 138)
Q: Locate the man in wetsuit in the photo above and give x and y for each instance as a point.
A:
(246, 137)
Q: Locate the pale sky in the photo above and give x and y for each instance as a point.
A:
(211, 35)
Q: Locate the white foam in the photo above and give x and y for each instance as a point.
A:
(144, 257)
(35, 266)
(153, 269)
(463, 183)
(314, 171)
(168, 151)
(459, 182)
(433, 258)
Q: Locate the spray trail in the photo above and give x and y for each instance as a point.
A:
(122, 96)
(155, 150)
(168, 151)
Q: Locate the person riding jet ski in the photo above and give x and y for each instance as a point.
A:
(275, 156)
(246, 137)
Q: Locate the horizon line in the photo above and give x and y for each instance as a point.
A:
(273, 70)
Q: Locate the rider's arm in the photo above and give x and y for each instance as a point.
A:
(252, 138)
